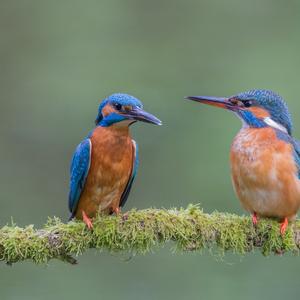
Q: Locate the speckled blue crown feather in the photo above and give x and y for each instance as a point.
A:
(273, 103)
(119, 98)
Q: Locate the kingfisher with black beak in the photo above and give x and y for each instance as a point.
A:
(264, 157)
(105, 163)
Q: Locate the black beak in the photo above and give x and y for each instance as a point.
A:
(213, 101)
(138, 114)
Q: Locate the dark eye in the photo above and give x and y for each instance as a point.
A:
(247, 103)
(118, 106)
(234, 101)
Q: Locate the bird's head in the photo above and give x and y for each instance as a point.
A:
(123, 109)
(256, 108)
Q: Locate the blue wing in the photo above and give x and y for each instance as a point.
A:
(135, 163)
(296, 145)
(78, 172)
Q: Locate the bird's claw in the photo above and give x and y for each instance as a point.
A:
(87, 221)
(283, 226)
(117, 210)
(254, 219)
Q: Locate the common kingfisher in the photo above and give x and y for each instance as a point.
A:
(105, 163)
(264, 157)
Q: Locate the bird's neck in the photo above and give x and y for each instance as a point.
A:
(115, 131)
(249, 120)
(252, 121)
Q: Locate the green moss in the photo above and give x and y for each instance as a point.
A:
(143, 231)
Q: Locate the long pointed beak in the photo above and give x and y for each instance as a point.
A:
(213, 101)
(139, 114)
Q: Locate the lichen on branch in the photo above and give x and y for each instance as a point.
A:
(142, 231)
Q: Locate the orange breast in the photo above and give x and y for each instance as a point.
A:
(111, 166)
(264, 173)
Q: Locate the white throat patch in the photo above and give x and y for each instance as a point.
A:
(274, 124)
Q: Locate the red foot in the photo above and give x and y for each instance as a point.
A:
(283, 226)
(117, 210)
(254, 219)
(87, 220)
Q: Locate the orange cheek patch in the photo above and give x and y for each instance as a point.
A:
(259, 112)
(108, 109)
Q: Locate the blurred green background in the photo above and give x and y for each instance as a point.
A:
(58, 59)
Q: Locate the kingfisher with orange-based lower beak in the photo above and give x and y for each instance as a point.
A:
(104, 164)
(265, 158)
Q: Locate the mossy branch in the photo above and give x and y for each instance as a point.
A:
(142, 231)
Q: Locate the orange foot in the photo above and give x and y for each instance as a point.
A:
(87, 220)
(283, 226)
(117, 210)
(254, 219)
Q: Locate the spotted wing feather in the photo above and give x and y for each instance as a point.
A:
(296, 146)
(135, 162)
(78, 173)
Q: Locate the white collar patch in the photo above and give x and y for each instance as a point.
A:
(274, 124)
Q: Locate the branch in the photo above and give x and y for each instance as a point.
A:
(142, 231)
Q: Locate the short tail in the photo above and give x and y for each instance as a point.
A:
(71, 217)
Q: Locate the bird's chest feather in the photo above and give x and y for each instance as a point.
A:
(111, 156)
(264, 172)
(111, 165)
